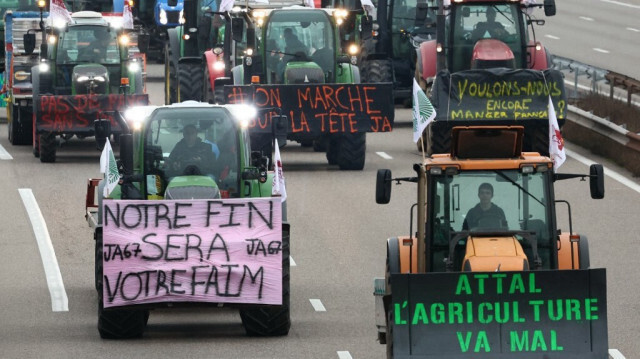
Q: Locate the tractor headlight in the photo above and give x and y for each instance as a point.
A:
(162, 17)
(51, 39)
(133, 66)
(353, 49)
(124, 40)
(81, 79)
(218, 66)
(43, 67)
(244, 114)
(99, 79)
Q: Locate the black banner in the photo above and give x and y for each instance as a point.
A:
(500, 315)
(321, 108)
(498, 94)
(76, 113)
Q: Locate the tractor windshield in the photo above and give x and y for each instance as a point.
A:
(299, 36)
(505, 200)
(191, 141)
(88, 44)
(472, 23)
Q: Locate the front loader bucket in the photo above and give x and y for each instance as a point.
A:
(499, 315)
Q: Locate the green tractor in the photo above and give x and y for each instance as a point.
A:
(84, 65)
(299, 54)
(190, 154)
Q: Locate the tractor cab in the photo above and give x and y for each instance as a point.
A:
(485, 35)
(300, 46)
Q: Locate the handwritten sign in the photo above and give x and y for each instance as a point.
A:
(498, 94)
(550, 314)
(220, 251)
(321, 108)
(77, 113)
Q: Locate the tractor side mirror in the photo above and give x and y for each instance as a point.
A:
(143, 42)
(172, 3)
(29, 40)
(366, 27)
(237, 29)
(383, 186)
(596, 181)
(549, 7)
(466, 12)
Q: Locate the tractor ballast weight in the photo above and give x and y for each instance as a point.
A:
(85, 74)
(249, 274)
(505, 283)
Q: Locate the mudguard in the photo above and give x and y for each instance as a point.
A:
(316, 109)
(522, 314)
(210, 59)
(538, 59)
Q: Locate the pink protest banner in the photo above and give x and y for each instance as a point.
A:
(218, 251)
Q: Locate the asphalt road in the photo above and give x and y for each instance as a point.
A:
(338, 244)
(601, 33)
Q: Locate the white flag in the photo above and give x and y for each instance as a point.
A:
(109, 167)
(226, 5)
(423, 111)
(127, 16)
(556, 143)
(278, 188)
(59, 12)
(368, 6)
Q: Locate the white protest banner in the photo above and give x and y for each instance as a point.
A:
(218, 251)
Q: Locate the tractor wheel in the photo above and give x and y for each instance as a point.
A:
(170, 77)
(375, 71)
(353, 147)
(437, 141)
(272, 320)
(583, 249)
(389, 334)
(98, 262)
(190, 82)
(333, 148)
(120, 324)
(306, 143)
(47, 147)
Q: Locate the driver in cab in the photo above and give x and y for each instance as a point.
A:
(191, 156)
(485, 214)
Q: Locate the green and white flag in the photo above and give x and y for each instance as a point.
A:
(423, 111)
(109, 167)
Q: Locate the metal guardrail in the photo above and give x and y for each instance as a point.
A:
(596, 75)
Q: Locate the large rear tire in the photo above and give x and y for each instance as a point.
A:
(47, 147)
(438, 141)
(376, 71)
(170, 77)
(272, 320)
(190, 78)
(353, 148)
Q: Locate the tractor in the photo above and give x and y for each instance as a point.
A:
(484, 42)
(487, 221)
(297, 53)
(217, 171)
(85, 72)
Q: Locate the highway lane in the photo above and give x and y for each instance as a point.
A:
(338, 245)
(602, 33)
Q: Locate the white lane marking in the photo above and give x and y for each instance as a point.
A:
(317, 305)
(597, 49)
(586, 18)
(384, 155)
(621, 3)
(292, 263)
(615, 354)
(344, 355)
(633, 29)
(59, 300)
(4, 155)
(613, 174)
(552, 37)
